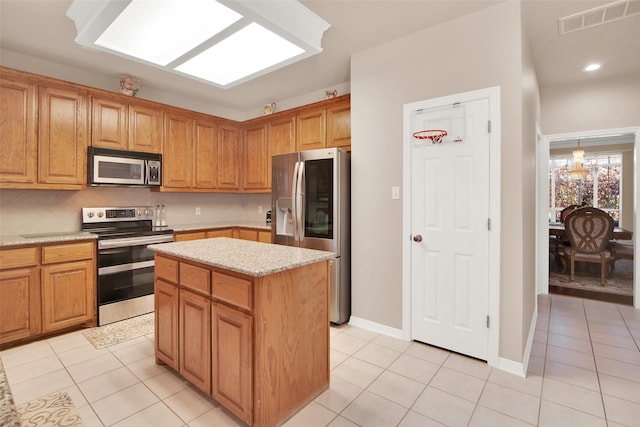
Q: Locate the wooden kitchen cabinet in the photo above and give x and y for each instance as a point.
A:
(195, 339)
(339, 125)
(18, 151)
(145, 127)
(62, 137)
(281, 133)
(20, 315)
(177, 147)
(166, 308)
(205, 154)
(224, 232)
(229, 155)
(121, 125)
(68, 285)
(311, 129)
(256, 154)
(232, 350)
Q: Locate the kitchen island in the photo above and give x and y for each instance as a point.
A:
(245, 322)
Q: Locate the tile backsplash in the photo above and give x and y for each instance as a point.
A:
(43, 211)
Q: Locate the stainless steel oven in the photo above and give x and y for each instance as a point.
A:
(125, 264)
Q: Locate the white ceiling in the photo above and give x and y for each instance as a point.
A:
(41, 29)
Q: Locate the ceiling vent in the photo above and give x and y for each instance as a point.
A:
(598, 16)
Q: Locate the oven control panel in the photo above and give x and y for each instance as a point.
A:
(116, 214)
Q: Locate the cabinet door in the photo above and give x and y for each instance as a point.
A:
(176, 153)
(109, 124)
(205, 154)
(232, 351)
(68, 297)
(311, 129)
(195, 235)
(18, 150)
(245, 234)
(228, 157)
(166, 318)
(62, 137)
(339, 125)
(256, 154)
(145, 128)
(281, 134)
(264, 236)
(19, 304)
(195, 340)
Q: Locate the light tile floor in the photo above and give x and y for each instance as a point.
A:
(584, 371)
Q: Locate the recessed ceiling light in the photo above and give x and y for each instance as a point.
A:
(592, 67)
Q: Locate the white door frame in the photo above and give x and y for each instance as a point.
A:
(493, 94)
(542, 234)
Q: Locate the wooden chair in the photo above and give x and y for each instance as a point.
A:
(566, 211)
(589, 231)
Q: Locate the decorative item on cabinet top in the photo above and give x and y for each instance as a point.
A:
(127, 85)
(331, 94)
(269, 109)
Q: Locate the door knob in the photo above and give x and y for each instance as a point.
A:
(417, 238)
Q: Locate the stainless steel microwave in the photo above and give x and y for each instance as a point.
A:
(120, 167)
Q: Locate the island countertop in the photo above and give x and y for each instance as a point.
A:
(242, 256)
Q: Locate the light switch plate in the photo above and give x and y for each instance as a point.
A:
(395, 193)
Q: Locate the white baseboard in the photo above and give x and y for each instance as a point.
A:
(377, 328)
(520, 368)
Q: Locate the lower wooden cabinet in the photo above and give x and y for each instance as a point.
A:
(232, 352)
(46, 288)
(68, 296)
(166, 318)
(195, 339)
(19, 304)
(252, 234)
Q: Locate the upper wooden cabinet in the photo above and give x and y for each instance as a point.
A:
(18, 151)
(281, 133)
(229, 155)
(205, 154)
(177, 147)
(125, 126)
(339, 125)
(311, 129)
(256, 155)
(62, 136)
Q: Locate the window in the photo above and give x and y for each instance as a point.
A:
(600, 189)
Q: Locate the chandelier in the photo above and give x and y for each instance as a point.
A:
(578, 171)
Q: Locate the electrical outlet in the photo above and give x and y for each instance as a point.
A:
(259, 209)
(198, 211)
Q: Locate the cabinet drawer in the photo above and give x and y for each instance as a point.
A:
(67, 252)
(233, 290)
(195, 278)
(13, 258)
(167, 269)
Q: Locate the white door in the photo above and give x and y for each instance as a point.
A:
(450, 228)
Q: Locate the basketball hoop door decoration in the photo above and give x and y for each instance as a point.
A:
(436, 136)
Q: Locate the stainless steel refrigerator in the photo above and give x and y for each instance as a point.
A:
(311, 208)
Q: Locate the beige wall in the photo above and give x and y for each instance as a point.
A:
(530, 119)
(593, 105)
(472, 52)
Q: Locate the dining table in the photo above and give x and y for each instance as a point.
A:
(619, 233)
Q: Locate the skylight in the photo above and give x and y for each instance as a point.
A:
(223, 43)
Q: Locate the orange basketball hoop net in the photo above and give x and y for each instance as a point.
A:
(435, 135)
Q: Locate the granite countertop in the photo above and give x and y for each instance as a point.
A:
(220, 224)
(40, 238)
(242, 256)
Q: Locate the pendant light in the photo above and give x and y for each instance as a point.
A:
(578, 171)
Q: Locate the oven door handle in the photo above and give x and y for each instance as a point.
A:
(103, 271)
(134, 241)
(114, 251)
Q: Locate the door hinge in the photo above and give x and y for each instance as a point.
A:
(488, 322)
(488, 126)
(489, 224)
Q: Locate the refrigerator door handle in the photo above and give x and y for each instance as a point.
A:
(299, 195)
(294, 201)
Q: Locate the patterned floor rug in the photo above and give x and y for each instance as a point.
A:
(114, 333)
(53, 410)
(588, 279)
